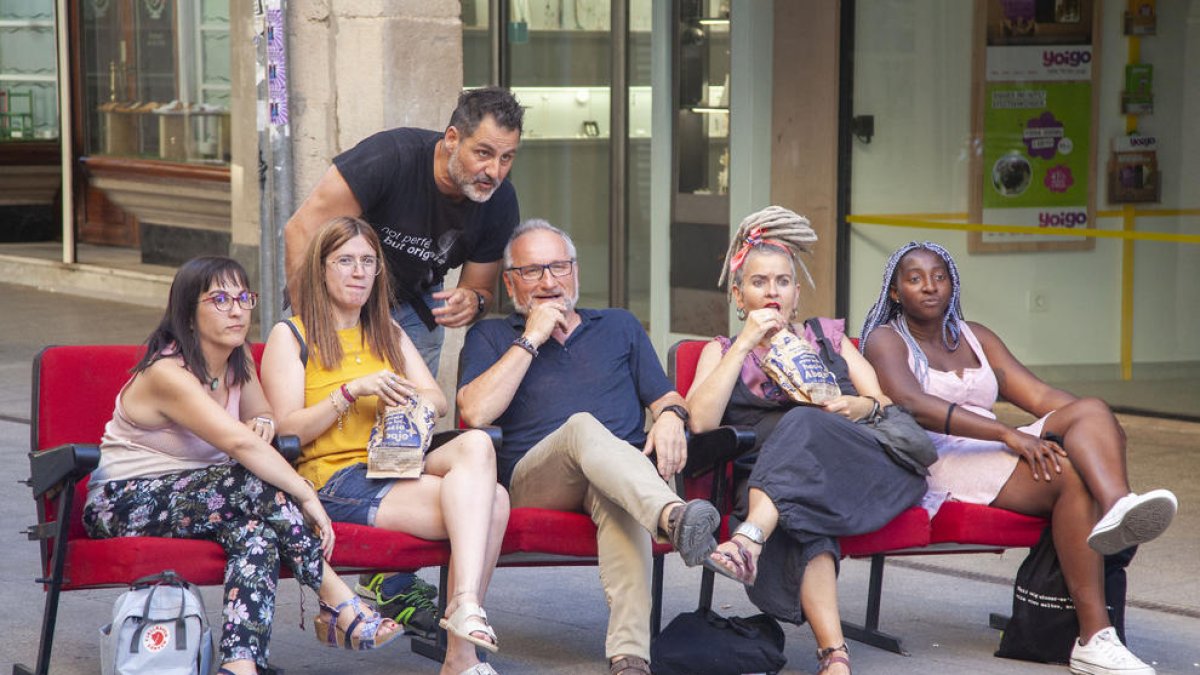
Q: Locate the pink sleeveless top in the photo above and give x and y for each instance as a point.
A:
(129, 450)
(969, 469)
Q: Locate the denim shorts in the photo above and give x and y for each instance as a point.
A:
(350, 497)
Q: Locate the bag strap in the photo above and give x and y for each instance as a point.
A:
(814, 324)
(300, 340)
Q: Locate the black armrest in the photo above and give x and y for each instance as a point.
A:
(48, 468)
(288, 446)
(710, 449)
(443, 437)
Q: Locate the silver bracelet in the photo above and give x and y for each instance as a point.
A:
(752, 532)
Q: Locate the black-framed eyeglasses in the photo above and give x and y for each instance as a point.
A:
(224, 301)
(346, 263)
(558, 268)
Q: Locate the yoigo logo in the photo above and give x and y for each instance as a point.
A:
(1062, 219)
(1073, 58)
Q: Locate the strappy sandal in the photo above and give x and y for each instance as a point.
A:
(743, 564)
(828, 656)
(470, 618)
(333, 635)
(690, 528)
(629, 665)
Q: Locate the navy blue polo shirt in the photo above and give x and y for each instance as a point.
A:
(607, 368)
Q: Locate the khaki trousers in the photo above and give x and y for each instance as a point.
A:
(583, 466)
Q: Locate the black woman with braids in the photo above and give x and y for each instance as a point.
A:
(816, 474)
(948, 373)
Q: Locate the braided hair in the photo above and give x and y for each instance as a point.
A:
(772, 227)
(889, 312)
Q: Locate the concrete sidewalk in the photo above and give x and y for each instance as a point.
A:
(552, 620)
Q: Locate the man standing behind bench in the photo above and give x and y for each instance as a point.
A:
(569, 388)
(438, 201)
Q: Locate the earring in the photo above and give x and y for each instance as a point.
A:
(795, 311)
(741, 313)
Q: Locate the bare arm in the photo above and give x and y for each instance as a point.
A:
(331, 198)
(486, 397)
(716, 376)
(254, 410)
(166, 392)
(283, 382)
(889, 355)
(418, 375)
(461, 304)
(1017, 383)
(667, 437)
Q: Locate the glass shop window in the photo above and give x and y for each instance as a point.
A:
(156, 79)
(28, 71)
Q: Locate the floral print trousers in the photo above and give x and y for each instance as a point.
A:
(255, 522)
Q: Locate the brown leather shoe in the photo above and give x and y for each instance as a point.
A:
(629, 665)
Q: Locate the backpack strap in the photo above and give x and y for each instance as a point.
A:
(299, 339)
(814, 324)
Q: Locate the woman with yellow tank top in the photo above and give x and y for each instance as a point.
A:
(325, 373)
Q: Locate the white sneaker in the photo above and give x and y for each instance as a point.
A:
(1134, 519)
(1105, 655)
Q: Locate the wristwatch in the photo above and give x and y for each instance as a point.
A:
(680, 412)
(481, 305)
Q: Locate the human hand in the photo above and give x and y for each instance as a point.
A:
(853, 408)
(543, 319)
(460, 308)
(761, 323)
(668, 440)
(318, 520)
(263, 427)
(1041, 454)
(391, 388)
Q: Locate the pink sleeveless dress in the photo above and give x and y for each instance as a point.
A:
(969, 469)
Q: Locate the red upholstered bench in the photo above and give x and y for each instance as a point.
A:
(74, 389)
(957, 527)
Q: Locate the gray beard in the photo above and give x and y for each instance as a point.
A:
(466, 183)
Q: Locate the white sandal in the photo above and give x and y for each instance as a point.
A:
(470, 618)
(480, 669)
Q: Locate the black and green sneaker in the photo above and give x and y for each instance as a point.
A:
(413, 606)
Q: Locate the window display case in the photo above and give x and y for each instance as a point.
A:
(156, 79)
(700, 207)
(28, 71)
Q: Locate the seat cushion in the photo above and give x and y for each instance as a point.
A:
(92, 563)
(556, 533)
(910, 529)
(962, 523)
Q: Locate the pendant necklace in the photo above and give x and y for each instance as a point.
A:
(212, 384)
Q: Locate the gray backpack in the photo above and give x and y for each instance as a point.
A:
(158, 626)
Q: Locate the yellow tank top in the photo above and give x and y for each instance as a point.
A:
(337, 448)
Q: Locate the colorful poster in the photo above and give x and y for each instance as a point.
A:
(1036, 156)
(1034, 123)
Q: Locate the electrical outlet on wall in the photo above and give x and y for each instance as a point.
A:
(1038, 302)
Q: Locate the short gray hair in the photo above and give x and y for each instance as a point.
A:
(529, 226)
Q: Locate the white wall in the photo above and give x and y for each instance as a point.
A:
(913, 73)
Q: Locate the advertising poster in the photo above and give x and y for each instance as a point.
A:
(1034, 124)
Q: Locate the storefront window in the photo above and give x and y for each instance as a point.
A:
(156, 79)
(28, 71)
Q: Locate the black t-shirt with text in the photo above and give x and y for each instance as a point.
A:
(424, 233)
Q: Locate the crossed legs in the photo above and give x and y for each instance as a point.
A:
(582, 466)
(818, 587)
(457, 499)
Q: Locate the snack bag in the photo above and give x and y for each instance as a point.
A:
(795, 366)
(399, 439)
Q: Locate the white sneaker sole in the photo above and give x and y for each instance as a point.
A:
(1094, 669)
(1142, 523)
